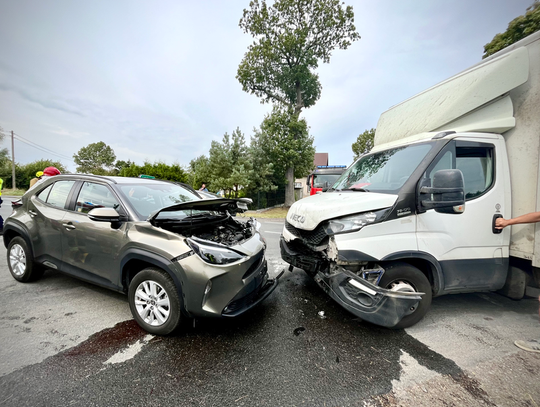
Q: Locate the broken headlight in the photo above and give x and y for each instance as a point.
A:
(214, 254)
(354, 222)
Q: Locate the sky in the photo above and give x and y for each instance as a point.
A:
(156, 80)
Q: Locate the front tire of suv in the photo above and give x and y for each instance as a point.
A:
(154, 301)
(21, 263)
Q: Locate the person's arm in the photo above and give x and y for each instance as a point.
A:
(532, 217)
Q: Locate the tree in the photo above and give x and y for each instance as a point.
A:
(159, 170)
(518, 29)
(291, 37)
(363, 144)
(4, 153)
(199, 172)
(96, 158)
(284, 141)
(120, 165)
(24, 173)
(229, 163)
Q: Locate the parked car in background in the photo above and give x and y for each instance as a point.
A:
(175, 255)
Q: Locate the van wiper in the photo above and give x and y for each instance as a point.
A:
(357, 189)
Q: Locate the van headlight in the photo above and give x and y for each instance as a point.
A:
(354, 222)
(214, 254)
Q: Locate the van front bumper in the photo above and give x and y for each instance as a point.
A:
(365, 300)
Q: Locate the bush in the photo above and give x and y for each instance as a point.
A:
(159, 170)
(24, 173)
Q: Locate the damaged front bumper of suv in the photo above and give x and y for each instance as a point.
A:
(357, 295)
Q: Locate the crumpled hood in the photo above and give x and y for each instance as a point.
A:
(308, 212)
(218, 205)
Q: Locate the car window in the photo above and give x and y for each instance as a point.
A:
(59, 193)
(95, 196)
(43, 195)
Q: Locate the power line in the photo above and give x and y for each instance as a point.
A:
(40, 147)
(34, 144)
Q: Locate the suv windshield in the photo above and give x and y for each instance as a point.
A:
(384, 171)
(149, 197)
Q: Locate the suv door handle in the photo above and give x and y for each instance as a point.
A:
(69, 226)
(495, 217)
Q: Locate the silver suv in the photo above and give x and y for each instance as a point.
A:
(175, 255)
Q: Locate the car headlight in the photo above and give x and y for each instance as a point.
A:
(214, 254)
(354, 222)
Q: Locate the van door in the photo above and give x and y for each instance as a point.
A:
(472, 256)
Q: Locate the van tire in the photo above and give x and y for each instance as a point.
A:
(399, 273)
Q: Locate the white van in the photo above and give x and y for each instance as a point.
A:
(415, 217)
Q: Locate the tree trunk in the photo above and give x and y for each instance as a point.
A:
(289, 188)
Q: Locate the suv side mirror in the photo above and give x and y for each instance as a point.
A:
(104, 215)
(447, 191)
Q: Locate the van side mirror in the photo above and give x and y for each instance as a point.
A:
(447, 192)
(104, 215)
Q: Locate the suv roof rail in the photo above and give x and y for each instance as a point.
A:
(93, 176)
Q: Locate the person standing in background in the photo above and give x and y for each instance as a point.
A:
(33, 181)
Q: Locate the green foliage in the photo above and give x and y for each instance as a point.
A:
(518, 29)
(199, 172)
(229, 164)
(159, 170)
(120, 165)
(96, 158)
(363, 144)
(291, 37)
(24, 173)
(4, 153)
(284, 141)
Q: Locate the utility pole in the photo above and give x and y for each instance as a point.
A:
(13, 160)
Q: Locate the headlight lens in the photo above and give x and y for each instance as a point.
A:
(354, 222)
(213, 254)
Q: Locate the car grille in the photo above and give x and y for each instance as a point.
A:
(314, 237)
(259, 258)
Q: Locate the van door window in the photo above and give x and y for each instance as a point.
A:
(475, 160)
(476, 164)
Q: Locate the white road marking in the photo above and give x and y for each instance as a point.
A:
(412, 373)
(129, 352)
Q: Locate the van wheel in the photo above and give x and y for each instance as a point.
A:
(154, 301)
(407, 278)
(21, 263)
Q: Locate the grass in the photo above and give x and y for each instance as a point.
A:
(13, 192)
(273, 213)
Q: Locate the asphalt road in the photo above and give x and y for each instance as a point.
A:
(66, 342)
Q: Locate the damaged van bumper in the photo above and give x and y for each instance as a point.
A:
(369, 302)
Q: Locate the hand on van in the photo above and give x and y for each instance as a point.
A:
(532, 217)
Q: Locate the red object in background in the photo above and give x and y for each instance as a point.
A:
(51, 171)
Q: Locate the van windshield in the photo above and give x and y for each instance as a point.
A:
(384, 171)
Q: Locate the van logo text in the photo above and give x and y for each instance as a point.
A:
(298, 218)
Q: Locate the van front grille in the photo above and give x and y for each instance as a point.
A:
(313, 237)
